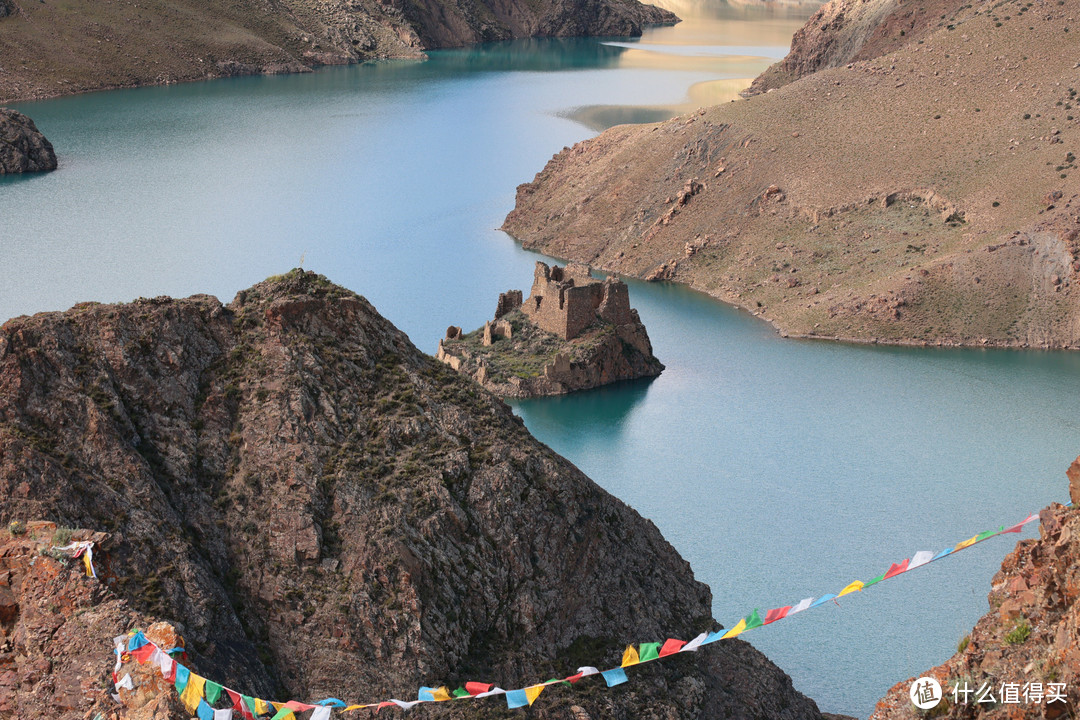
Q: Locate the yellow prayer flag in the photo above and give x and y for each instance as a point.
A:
(533, 692)
(735, 630)
(441, 694)
(853, 587)
(193, 693)
(261, 706)
(970, 541)
(630, 657)
(86, 562)
(353, 707)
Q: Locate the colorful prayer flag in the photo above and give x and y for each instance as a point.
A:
(775, 614)
(671, 646)
(629, 657)
(733, 632)
(615, 676)
(852, 587)
(649, 651)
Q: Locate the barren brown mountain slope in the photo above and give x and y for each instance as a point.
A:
(323, 510)
(58, 48)
(928, 195)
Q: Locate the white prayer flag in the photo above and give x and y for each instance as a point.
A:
(803, 604)
(921, 558)
(694, 644)
(586, 671)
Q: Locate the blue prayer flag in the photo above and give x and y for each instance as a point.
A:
(615, 676)
(516, 699)
(204, 711)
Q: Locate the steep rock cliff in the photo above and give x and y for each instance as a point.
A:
(322, 510)
(22, 146)
(60, 48)
(1030, 638)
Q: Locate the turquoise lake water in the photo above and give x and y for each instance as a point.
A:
(780, 469)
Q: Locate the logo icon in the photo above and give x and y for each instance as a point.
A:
(925, 693)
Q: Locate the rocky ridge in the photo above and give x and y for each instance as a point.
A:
(22, 146)
(1029, 639)
(927, 195)
(322, 510)
(52, 49)
(522, 354)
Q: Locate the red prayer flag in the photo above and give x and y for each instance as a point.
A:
(575, 678)
(239, 706)
(776, 614)
(671, 646)
(895, 569)
(142, 654)
(475, 688)
(299, 706)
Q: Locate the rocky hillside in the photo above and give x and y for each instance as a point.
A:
(322, 510)
(1026, 649)
(60, 48)
(22, 146)
(927, 195)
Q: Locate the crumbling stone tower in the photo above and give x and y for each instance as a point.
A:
(565, 301)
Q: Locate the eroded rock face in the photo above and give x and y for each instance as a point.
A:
(22, 146)
(1031, 635)
(322, 510)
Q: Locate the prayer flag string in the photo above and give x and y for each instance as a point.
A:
(199, 695)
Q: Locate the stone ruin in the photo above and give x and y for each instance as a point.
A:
(565, 301)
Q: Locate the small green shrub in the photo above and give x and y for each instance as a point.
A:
(62, 536)
(17, 527)
(1021, 631)
(962, 645)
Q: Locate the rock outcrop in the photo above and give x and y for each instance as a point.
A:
(22, 146)
(1025, 652)
(52, 49)
(572, 333)
(927, 195)
(322, 510)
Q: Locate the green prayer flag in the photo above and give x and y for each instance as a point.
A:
(213, 692)
(250, 702)
(984, 535)
(461, 692)
(649, 651)
(878, 579)
(284, 714)
(753, 621)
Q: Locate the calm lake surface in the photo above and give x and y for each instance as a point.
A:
(780, 469)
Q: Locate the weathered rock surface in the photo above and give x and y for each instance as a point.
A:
(22, 146)
(572, 333)
(322, 510)
(1030, 637)
(926, 193)
(54, 49)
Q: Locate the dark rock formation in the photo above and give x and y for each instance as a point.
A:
(7, 7)
(22, 147)
(322, 510)
(1031, 635)
(572, 333)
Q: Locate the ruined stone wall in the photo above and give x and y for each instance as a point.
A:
(615, 302)
(565, 301)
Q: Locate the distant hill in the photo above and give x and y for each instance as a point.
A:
(58, 48)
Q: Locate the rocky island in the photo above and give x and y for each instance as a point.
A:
(22, 146)
(321, 510)
(572, 333)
